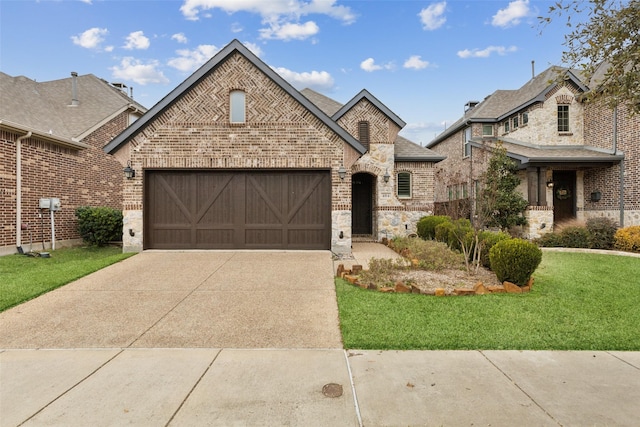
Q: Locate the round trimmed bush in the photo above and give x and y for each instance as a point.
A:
(515, 260)
(487, 240)
(628, 239)
(426, 227)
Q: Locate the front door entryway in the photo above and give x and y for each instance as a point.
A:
(564, 195)
(362, 204)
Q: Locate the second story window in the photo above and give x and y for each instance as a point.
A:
(563, 118)
(487, 130)
(363, 133)
(467, 142)
(507, 128)
(516, 122)
(525, 118)
(237, 101)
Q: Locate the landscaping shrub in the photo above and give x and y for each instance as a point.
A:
(550, 240)
(453, 232)
(575, 237)
(487, 239)
(514, 260)
(99, 225)
(426, 227)
(430, 255)
(381, 271)
(602, 232)
(442, 232)
(628, 239)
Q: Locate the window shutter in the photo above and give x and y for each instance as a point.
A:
(404, 184)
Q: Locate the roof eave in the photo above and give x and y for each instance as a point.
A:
(365, 94)
(434, 159)
(58, 140)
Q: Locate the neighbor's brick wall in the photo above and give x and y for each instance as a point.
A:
(542, 128)
(599, 133)
(87, 177)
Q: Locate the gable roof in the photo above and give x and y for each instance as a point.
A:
(502, 103)
(365, 94)
(47, 110)
(404, 149)
(206, 69)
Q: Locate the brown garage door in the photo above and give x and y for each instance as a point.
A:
(237, 210)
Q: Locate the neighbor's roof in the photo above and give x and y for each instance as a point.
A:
(45, 107)
(405, 150)
(208, 67)
(502, 103)
(530, 154)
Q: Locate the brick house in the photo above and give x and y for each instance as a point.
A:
(235, 157)
(574, 158)
(52, 136)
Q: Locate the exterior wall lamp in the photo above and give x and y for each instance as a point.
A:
(386, 176)
(342, 172)
(129, 172)
(549, 184)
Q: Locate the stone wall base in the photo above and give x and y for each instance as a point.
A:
(539, 221)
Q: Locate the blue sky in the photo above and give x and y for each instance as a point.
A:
(423, 59)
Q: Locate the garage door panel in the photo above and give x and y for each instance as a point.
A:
(238, 209)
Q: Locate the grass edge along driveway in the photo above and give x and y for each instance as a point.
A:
(23, 278)
(579, 302)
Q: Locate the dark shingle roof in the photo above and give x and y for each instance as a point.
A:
(528, 154)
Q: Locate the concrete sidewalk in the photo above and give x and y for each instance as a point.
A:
(192, 387)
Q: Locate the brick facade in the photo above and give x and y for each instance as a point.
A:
(78, 177)
(280, 132)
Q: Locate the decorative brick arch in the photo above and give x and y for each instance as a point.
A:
(368, 168)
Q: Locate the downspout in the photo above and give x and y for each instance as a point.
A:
(19, 188)
(615, 151)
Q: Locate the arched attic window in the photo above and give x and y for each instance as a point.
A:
(237, 111)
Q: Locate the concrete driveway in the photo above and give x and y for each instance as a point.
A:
(168, 299)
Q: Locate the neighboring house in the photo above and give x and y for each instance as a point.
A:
(575, 158)
(52, 136)
(235, 157)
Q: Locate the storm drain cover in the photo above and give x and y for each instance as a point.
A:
(332, 390)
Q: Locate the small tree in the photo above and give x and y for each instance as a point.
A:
(500, 204)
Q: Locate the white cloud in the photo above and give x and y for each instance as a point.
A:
(134, 70)
(289, 31)
(86, 1)
(512, 14)
(90, 39)
(416, 62)
(180, 38)
(236, 27)
(137, 40)
(486, 52)
(318, 80)
(190, 60)
(432, 17)
(271, 9)
(369, 65)
(253, 48)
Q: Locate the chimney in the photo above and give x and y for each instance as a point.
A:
(470, 105)
(74, 89)
(533, 69)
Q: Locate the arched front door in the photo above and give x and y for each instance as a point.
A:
(362, 186)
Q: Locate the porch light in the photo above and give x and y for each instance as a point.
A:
(549, 184)
(129, 172)
(386, 176)
(342, 172)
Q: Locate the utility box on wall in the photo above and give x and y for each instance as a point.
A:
(53, 204)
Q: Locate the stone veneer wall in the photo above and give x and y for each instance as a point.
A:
(539, 221)
(195, 133)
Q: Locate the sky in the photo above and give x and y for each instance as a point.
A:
(422, 59)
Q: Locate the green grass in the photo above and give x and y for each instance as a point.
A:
(23, 278)
(579, 302)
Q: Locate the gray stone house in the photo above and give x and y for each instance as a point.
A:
(52, 136)
(235, 157)
(576, 159)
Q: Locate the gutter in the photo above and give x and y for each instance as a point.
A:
(19, 188)
(65, 142)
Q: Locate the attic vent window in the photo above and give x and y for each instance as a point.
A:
(404, 185)
(363, 133)
(237, 106)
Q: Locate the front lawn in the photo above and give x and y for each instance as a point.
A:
(23, 278)
(579, 302)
